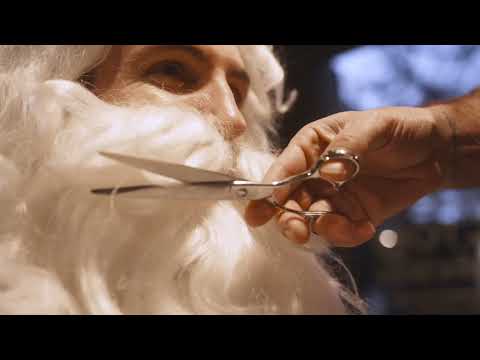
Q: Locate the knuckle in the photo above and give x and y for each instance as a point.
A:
(346, 137)
(305, 134)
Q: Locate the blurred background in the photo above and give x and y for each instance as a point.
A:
(427, 259)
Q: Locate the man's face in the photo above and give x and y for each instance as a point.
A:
(211, 79)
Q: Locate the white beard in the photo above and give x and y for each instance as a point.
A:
(65, 250)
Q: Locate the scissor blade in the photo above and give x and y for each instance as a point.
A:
(175, 171)
(215, 191)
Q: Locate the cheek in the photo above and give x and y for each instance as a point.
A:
(200, 101)
(140, 95)
(137, 95)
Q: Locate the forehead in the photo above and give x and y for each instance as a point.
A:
(219, 54)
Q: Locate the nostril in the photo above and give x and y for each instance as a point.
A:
(233, 128)
(240, 126)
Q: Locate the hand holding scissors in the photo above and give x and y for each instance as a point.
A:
(404, 155)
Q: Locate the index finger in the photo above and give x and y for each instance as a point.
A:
(302, 152)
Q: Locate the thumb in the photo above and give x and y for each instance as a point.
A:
(359, 136)
(337, 170)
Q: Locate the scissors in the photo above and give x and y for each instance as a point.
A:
(199, 184)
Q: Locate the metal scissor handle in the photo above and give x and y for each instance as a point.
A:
(336, 154)
(313, 173)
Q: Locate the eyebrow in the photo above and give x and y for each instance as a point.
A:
(188, 49)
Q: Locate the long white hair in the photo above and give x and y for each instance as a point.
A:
(65, 250)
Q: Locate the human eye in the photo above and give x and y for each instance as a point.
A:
(173, 75)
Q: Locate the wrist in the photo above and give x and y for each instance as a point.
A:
(457, 123)
(445, 126)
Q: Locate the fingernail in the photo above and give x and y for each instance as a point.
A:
(297, 231)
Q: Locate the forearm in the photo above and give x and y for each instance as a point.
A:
(459, 127)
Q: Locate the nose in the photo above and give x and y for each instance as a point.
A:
(224, 107)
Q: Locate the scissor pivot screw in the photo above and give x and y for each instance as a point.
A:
(241, 193)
